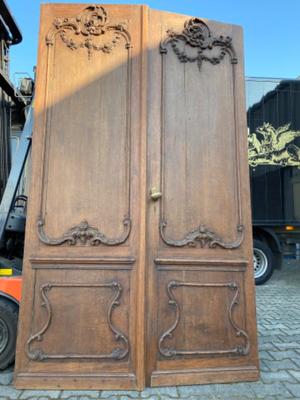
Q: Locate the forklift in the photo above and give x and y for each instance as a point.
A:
(15, 123)
(12, 232)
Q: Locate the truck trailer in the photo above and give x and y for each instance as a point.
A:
(273, 117)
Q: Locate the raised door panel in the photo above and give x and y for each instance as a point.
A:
(87, 148)
(201, 325)
(196, 148)
(79, 318)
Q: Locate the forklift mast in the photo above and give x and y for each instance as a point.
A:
(6, 217)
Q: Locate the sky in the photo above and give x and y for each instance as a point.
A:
(271, 30)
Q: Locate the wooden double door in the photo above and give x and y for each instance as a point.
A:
(137, 267)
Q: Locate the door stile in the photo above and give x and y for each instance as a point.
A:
(141, 273)
(155, 110)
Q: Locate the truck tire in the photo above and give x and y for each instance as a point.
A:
(262, 262)
(8, 332)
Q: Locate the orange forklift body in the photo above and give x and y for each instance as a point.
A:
(11, 287)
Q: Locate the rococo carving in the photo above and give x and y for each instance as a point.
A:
(197, 36)
(84, 234)
(90, 30)
(203, 237)
(241, 349)
(197, 44)
(91, 23)
(116, 354)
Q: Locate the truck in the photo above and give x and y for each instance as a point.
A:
(273, 119)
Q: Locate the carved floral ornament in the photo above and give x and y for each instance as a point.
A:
(196, 35)
(81, 31)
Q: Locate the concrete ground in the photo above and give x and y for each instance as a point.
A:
(278, 311)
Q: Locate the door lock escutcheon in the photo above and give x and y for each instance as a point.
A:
(155, 194)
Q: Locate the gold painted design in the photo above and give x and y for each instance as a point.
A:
(271, 146)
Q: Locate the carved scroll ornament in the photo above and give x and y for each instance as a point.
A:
(240, 350)
(80, 31)
(196, 35)
(203, 237)
(84, 234)
(116, 354)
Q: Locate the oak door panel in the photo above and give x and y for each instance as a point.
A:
(201, 324)
(82, 259)
(193, 134)
(92, 313)
(87, 154)
(187, 318)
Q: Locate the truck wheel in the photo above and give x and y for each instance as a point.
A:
(8, 332)
(262, 262)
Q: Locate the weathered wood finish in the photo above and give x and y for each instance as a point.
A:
(200, 282)
(121, 290)
(80, 322)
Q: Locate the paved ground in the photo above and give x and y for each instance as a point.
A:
(278, 308)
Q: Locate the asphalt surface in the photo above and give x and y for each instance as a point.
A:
(278, 314)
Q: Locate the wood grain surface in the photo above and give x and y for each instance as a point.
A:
(138, 255)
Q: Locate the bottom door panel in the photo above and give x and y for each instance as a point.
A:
(82, 321)
(201, 331)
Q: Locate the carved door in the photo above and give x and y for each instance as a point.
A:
(201, 324)
(137, 266)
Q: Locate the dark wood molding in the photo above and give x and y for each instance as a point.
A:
(116, 263)
(201, 262)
